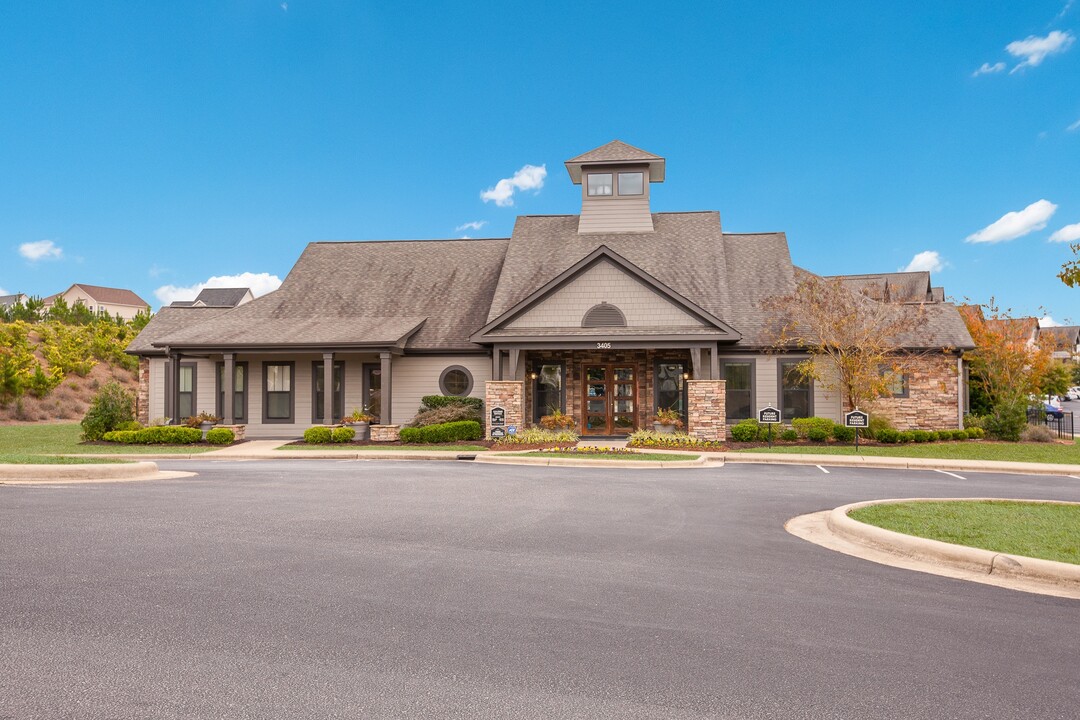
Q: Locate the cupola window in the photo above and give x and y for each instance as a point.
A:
(631, 183)
(599, 184)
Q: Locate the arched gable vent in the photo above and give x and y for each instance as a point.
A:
(603, 315)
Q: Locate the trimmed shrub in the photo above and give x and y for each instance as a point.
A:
(342, 434)
(842, 433)
(920, 436)
(446, 432)
(960, 435)
(907, 436)
(220, 436)
(789, 435)
(164, 435)
(817, 433)
(445, 414)
(976, 433)
(745, 430)
(1008, 420)
(111, 406)
(317, 435)
(803, 425)
(133, 425)
(433, 402)
(879, 423)
(887, 435)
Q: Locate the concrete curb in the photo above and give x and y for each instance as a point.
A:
(956, 556)
(897, 463)
(574, 462)
(99, 472)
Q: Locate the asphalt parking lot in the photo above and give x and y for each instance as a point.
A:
(363, 589)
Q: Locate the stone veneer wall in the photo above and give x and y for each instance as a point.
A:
(933, 397)
(385, 433)
(643, 362)
(507, 394)
(706, 412)
(142, 398)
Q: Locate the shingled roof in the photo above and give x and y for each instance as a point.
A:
(166, 321)
(614, 151)
(891, 287)
(111, 296)
(221, 297)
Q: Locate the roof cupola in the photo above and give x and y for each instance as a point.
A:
(615, 181)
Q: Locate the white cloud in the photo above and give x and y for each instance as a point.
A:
(260, 284)
(1069, 233)
(929, 260)
(529, 177)
(1015, 224)
(1074, 126)
(474, 225)
(1047, 321)
(1033, 49)
(41, 250)
(1065, 10)
(988, 69)
(5, 292)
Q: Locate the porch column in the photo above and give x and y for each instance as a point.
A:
(167, 387)
(228, 390)
(174, 388)
(695, 363)
(714, 362)
(515, 355)
(328, 388)
(387, 392)
(496, 363)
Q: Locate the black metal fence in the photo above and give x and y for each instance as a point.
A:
(1061, 426)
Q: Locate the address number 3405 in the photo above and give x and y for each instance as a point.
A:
(603, 346)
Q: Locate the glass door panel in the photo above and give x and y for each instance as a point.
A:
(610, 400)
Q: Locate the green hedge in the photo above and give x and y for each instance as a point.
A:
(342, 434)
(842, 433)
(158, 435)
(318, 435)
(804, 425)
(745, 430)
(437, 401)
(220, 436)
(446, 432)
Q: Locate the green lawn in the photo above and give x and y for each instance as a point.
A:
(1040, 530)
(632, 457)
(24, 459)
(395, 448)
(964, 450)
(63, 439)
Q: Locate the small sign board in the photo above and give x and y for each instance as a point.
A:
(511, 430)
(497, 433)
(857, 419)
(498, 416)
(768, 416)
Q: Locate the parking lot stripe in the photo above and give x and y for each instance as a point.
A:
(822, 469)
(945, 472)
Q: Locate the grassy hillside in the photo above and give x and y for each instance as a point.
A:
(50, 370)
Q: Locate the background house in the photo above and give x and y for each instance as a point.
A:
(102, 300)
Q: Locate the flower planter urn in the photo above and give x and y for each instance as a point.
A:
(205, 427)
(663, 429)
(363, 430)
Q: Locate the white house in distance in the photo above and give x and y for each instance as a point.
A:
(607, 315)
(102, 300)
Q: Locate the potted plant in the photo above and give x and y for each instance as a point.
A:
(360, 422)
(556, 419)
(204, 421)
(667, 421)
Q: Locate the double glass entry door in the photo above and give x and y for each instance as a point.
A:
(610, 400)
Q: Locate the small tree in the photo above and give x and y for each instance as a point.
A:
(112, 406)
(861, 339)
(1070, 271)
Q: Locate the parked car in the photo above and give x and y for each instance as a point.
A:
(1052, 413)
(1073, 393)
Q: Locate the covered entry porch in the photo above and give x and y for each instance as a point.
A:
(611, 389)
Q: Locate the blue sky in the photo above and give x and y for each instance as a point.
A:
(149, 145)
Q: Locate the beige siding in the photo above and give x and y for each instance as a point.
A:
(157, 388)
(615, 215)
(417, 376)
(826, 403)
(77, 294)
(605, 282)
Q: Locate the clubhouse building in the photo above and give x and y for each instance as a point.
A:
(607, 315)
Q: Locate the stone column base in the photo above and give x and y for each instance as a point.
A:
(508, 395)
(238, 430)
(706, 411)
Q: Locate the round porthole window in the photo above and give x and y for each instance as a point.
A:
(456, 380)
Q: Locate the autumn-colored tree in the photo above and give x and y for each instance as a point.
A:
(857, 345)
(1008, 364)
(1070, 271)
